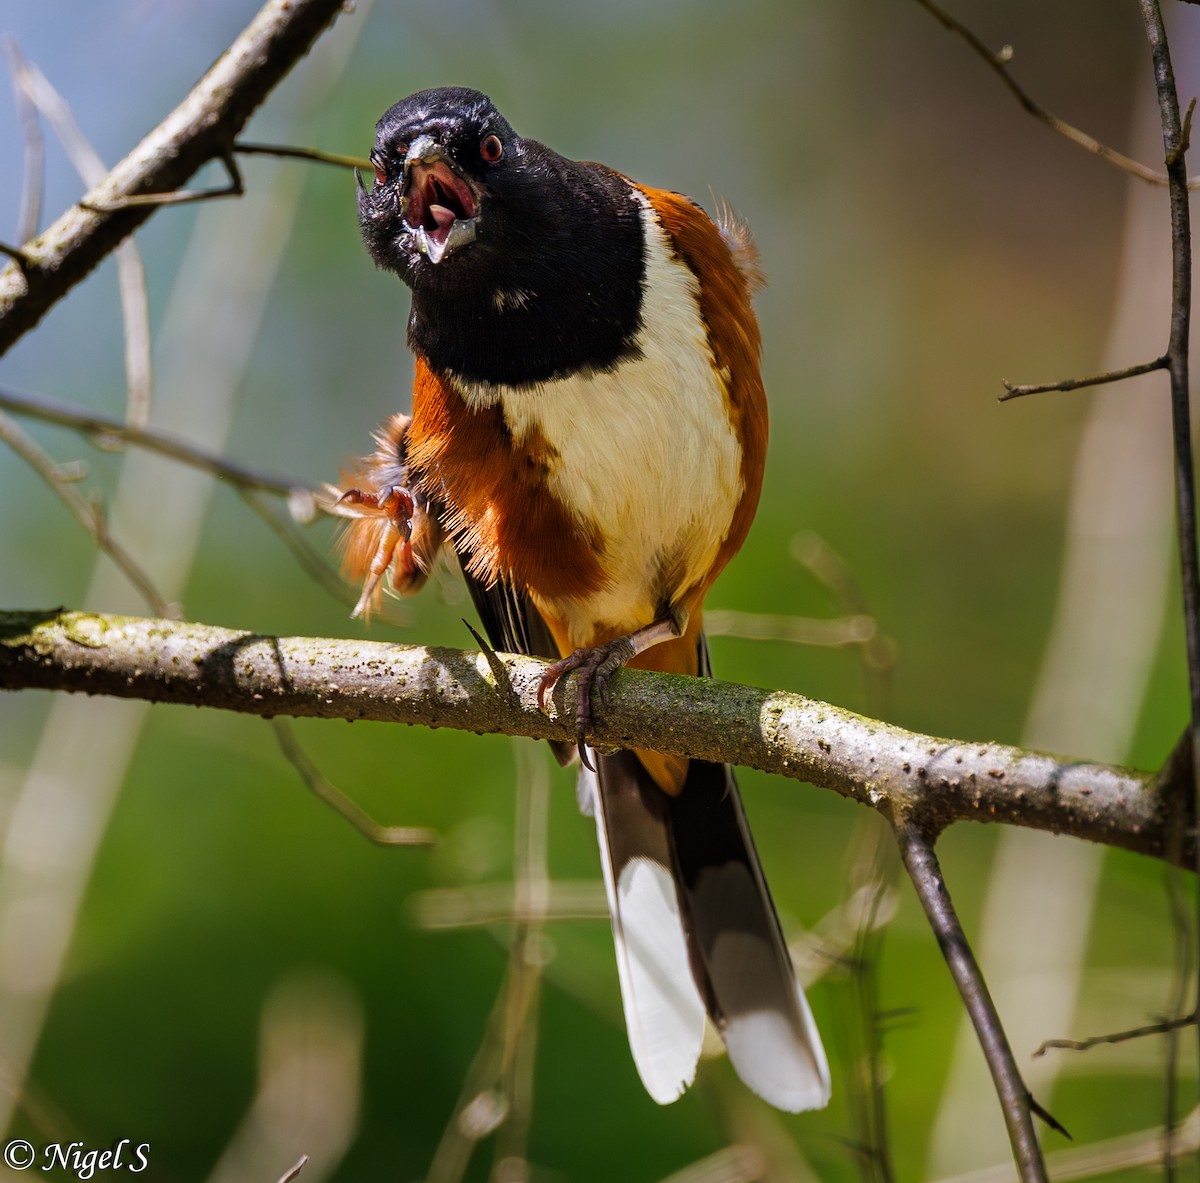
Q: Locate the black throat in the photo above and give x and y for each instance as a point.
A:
(552, 287)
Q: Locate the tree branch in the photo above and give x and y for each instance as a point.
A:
(200, 129)
(999, 63)
(909, 777)
(1176, 133)
(916, 849)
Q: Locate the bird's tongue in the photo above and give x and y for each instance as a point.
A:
(444, 217)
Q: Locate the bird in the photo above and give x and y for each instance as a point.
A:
(587, 435)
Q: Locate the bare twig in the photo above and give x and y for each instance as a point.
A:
(999, 63)
(88, 515)
(366, 825)
(1014, 391)
(131, 275)
(202, 128)
(739, 1163)
(293, 1172)
(1182, 926)
(1085, 1045)
(486, 904)
(310, 560)
(872, 882)
(289, 153)
(497, 1094)
(876, 651)
(527, 960)
(1175, 134)
(1185, 136)
(303, 499)
(872, 874)
(33, 167)
(835, 632)
(916, 849)
(937, 781)
(234, 187)
(104, 428)
(1121, 1155)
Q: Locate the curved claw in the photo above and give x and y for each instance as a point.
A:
(596, 666)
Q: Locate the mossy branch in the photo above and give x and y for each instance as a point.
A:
(915, 779)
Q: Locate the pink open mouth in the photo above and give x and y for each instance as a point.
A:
(437, 199)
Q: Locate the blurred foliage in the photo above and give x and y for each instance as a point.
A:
(922, 238)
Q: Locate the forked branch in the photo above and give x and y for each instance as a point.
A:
(202, 128)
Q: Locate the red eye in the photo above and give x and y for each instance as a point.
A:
(380, 176)
(491, 149)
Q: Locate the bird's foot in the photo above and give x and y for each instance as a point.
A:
(392, 501)
(594, 666)
(396, 507)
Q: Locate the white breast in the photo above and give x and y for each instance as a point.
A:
(646, 453)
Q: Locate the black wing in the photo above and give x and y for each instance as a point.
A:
(514, 625)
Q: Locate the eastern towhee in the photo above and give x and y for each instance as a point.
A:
(588, 433)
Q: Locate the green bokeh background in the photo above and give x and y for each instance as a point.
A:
(922, 238)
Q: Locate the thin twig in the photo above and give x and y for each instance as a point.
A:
(1185, 136)
(1147, 367)
(527, 960)
(497, 1093)
(311, 561)
(303, 499)
(342, 804)
(479, 1109)
(289, 153)
(234, 187)
(1179, 803)
(1085, 1045)
(105, 428)
(1181, 990)
(33, 166)
(873, 869)
(740, 1163)
(1174, 143)
(292, 1172)
(999, 63)
(485, 905)
(872, 884)
(87, 514)
(131, 275)
(1121, 1156)
(922, 865)
(836, 632)
(876, 651)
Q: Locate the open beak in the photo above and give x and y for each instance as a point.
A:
(440, 206)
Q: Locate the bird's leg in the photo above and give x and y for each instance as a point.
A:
(596, 665)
